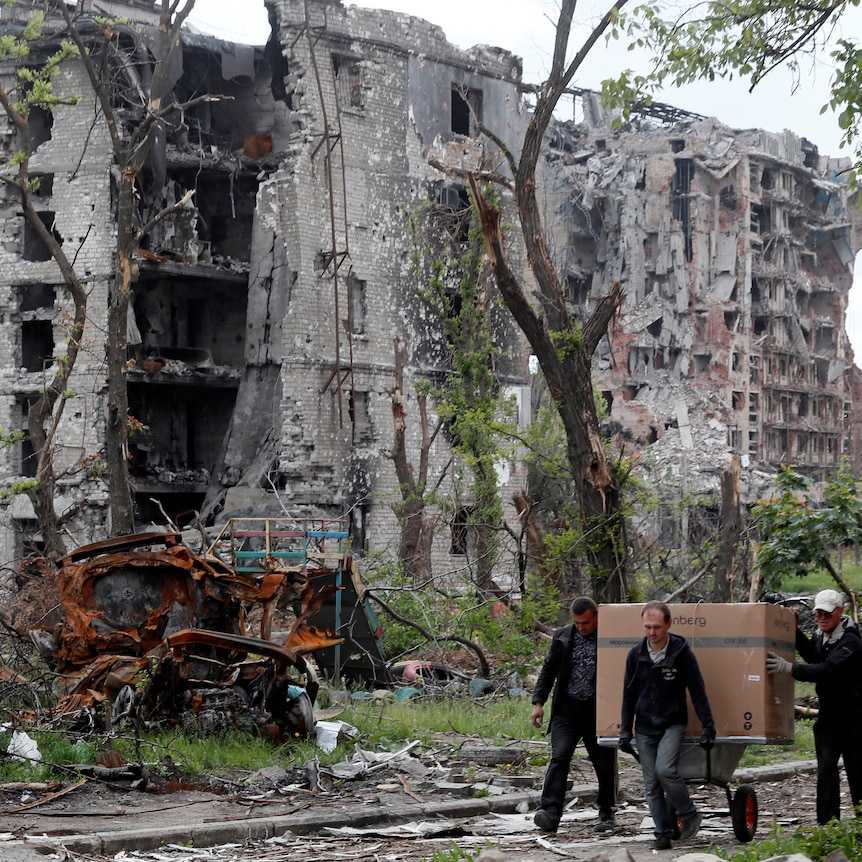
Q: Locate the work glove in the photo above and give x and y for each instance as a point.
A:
(707, 743)
(777, 664)
(625, 743)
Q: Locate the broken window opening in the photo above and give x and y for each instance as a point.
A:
(577, 289)
(677, 145)
(348, 81)
(767, 179)
(358, 410)
(680, 203)
(460, 528)
(43, 185)
(754, 370)
(736, 361)
(753, 443)
(761, 325)
(455, 211)
(37, 297)
(466, 110)
(737, 399)
(629, 392)
(759, 220)
(40, 121)
(824, 340)
(358, 304)
(734, 438)
(35, 249)
(727, 197)
(184, 427)
(37, 344)
(27, 460)
(803, 405)
(654, 328)
(753, 177)
(731, 320)
(753, 406)
(358, 529)
(701, 362)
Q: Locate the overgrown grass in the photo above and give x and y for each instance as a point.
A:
(383, 725)
(820, 579)
(496, 721)
(815, 842)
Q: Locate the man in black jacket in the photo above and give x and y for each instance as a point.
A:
(658, 673)
(570, 669)
(833, 662)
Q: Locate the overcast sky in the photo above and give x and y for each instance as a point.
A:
(525, 27)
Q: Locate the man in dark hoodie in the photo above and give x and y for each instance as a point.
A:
(658, 673)
(833, 662)
(570, 669)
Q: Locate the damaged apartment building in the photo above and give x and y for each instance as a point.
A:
(262, 353)
(261, 361)
(736, 250)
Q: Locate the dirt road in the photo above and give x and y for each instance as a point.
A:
(388, 817)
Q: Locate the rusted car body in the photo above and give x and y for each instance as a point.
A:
(150, 626)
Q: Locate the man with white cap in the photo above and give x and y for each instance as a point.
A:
(833, 662)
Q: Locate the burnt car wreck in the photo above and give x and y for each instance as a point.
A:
(151, 628)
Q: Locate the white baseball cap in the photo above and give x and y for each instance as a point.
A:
(828, 600)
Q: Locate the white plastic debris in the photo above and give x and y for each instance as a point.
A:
(327, 733)
(23, 747)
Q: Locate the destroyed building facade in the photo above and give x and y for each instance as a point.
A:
(736, 250)
(261, 339)
(262, 357)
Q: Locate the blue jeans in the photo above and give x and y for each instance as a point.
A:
(664, 789)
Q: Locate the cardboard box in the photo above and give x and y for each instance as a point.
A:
(730, 642)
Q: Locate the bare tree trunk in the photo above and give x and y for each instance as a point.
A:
(563, 344)
(731, 527)
(414, 546)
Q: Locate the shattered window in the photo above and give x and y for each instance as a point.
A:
(39, 124)
(357, 407)
(459, 532)
(348, 81)
(35, 249)
(26, 454)
(37, 344)
(466, 110)
(358, 304)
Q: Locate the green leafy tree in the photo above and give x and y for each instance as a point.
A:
(469, 401)
(798, 536)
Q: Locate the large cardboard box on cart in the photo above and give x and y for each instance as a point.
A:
(730, 642)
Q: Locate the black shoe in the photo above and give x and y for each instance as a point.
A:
(662, 842)
(690, 827)
(605, 824)
(545, 821)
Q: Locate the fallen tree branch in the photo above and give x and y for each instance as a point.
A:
(484, 668)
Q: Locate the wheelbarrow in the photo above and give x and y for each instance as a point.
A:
(716, 766)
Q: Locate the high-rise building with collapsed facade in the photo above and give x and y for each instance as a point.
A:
(736, 249)
(262, 356)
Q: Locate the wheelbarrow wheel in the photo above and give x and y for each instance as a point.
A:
(743, 813)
